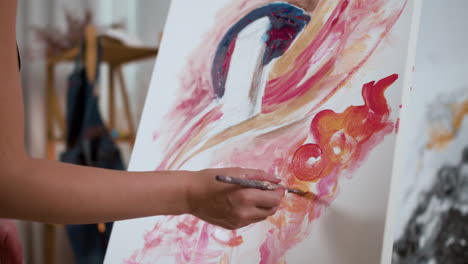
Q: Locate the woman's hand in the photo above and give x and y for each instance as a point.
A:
(231, 206)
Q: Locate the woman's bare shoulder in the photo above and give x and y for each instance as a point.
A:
(7, 16)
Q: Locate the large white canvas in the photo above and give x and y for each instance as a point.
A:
(368, 41)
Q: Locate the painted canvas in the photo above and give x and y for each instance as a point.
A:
(434, 203)
(305, 89)
(433, 211)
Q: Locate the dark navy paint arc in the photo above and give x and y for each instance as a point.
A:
(287, 21)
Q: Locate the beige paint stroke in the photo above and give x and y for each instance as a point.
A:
(440, 137)
(319, 17)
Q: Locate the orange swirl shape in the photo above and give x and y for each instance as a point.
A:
(340, 137)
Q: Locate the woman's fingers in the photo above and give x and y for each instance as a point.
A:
(253, 215)
(252, 174)
(252, 205)
(263, 213)
(260, 198)
(260, 175)
(269, 212)
(231, 206)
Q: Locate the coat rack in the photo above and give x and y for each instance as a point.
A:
(116, 54)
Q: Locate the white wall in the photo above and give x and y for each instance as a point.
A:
(151, 21)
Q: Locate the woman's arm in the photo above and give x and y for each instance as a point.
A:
(49, 191)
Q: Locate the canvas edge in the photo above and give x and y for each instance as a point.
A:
(392, 206)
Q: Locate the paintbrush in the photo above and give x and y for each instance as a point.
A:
(262, 185)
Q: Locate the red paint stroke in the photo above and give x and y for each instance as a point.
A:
(213, 115)
(190, 234)
(339, 29)
(286, 87)
(340, 136)
(227, 61)
(188, 227)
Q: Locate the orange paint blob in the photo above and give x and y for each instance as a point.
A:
(340, 137)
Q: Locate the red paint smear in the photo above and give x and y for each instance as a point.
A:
(227, 61)
(189, 242)
(265, 250)
(287, 86)
(188, 227)
(284, 88)
(213, 115)
(334, 35)
(132, 259)
(283, 33)
(340, 136)
(151, 240)
(222, 68)
(195, 98)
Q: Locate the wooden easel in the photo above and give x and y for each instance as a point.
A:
(115, 54)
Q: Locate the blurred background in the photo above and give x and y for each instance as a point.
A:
(48, 31)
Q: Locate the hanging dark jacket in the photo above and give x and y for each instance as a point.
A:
(88, 143)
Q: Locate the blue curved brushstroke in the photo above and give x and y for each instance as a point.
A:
(283, 17)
